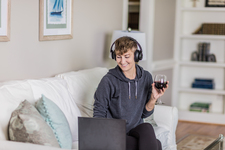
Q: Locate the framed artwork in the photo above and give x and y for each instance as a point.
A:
(5, 9)
(215, 3)
(55, 19)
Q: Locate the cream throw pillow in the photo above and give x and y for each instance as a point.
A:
(27, 125)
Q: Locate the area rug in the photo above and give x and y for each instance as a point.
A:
(194, 142)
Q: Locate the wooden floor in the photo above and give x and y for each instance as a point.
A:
(185, 128)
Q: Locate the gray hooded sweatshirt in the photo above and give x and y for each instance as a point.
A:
(121, 98)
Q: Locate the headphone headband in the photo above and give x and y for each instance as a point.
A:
(138, 53)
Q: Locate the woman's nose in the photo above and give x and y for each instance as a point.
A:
(123, 60)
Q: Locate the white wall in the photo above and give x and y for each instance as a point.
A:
(163, 40)
(164, 29)
(24, 56)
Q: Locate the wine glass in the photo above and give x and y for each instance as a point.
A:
(160, 83)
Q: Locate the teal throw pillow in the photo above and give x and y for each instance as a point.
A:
(56, 119)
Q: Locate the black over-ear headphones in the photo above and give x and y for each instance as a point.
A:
(137, 54)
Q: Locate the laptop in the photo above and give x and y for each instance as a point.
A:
(101, 134)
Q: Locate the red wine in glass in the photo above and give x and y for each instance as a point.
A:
(160, 83)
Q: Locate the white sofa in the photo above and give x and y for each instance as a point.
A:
(73, 93)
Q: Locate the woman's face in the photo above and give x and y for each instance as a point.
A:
(126, 61)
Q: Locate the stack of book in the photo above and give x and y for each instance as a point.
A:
(200, 107)
(203, 53)
(203, 83)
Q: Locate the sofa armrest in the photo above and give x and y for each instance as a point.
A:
(167, 117)
(10, 145)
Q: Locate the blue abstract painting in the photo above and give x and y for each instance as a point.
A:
(56, 11)
(57, 8)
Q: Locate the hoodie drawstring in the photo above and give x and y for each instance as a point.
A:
(135, 89)
(129, 89)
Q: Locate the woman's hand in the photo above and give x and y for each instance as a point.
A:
(156, 93)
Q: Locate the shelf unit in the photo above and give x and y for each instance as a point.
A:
(188, 19)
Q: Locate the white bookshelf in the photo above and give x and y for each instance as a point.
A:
(202, 91)
(206, 37)
(188, 19)
(202, 64)
(215, 118)
(208, 9)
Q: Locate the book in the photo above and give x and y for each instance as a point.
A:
(200, 107)
(204, 51)
(203, 83)
(204, 80)
(200, 49)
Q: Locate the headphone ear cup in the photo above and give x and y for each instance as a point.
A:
(113, 55)
(136, 56)
(140, 56)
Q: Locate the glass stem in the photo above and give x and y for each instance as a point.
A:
(159, 101)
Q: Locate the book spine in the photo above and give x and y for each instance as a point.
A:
(200, 49)
(203, 50)
(206, 51)
(199, 110)
(200, 107)
(203, 83)
(204, 80)
(203, 86)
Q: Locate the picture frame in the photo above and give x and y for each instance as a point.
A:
(215, 3)
(55, 20)
(5, 13)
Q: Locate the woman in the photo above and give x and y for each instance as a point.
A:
(128, 92)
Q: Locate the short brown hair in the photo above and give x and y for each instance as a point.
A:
(123, 44)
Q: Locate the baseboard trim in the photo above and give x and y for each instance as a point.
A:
(206, 123)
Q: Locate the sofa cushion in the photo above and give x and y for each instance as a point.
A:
(86, 110)
(55, 89)
(167, 117)
(56, 119)
(82, 85)
(162, 135)
(75, 145)
(12, 93)
(27, 125)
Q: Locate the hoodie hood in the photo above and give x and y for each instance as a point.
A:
(118, 73)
